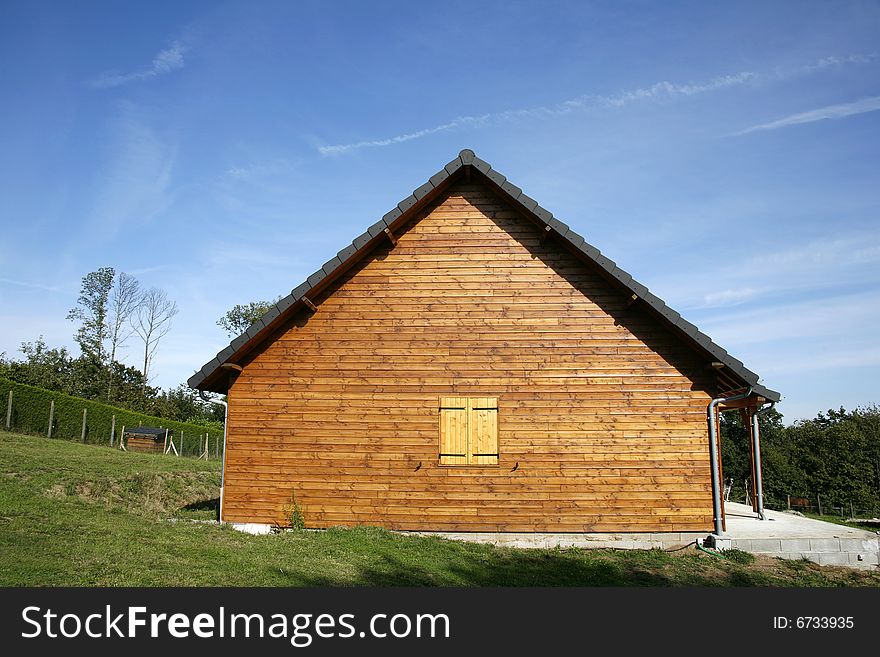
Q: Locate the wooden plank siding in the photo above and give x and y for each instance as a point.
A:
(601, 410)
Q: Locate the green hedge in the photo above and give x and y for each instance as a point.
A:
(30, 414)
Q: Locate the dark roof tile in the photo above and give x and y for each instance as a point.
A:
(389, 217)
(496, 177)
(407, 203)
(361, 240)
(270, 315)
(591, 251)
(482, 166)
(511, 189)
(300, 290)
(331, 264)
(438, 177)
(346, 253)
(638, 289)
(377, 228)
(606, 263)
(285, 302)
(622, 276)
(239, 342)
(453, 166)
(543, 214)
(528, 202)
(316, 278)
(467, 157)
(423, 191)
(255, 328)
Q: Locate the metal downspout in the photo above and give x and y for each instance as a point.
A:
(713, 458)
(756, 449)
(225, 405)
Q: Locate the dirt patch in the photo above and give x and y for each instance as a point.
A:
(57, 492)
(152, 494)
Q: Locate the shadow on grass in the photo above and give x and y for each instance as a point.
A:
(392, 561)
(208, 509)
(521, 570)
(203, 505)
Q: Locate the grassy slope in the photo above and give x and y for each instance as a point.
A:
(74, 514)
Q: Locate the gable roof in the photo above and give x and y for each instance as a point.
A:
(732, 373)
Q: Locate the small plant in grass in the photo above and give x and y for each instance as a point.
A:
(738, 556)
(295, 513)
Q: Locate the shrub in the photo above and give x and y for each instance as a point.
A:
(738, 556)
(30, 414)
(295, 513)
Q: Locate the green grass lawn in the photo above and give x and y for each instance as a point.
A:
(74, 514)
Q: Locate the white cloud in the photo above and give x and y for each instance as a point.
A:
(828, 318)
(167, 60)
(35, 286)
(264, 169)
(831, 112)
(728, 297)
(831, 359)
(659, 90)
(815, 259)
(134, 184)
(811, 266)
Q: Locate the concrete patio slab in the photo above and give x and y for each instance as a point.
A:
(791, 536)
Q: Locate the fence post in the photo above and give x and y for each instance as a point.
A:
(819, 500)
(112, 429)
(82, 437)
(216, 449)
(9, 412)
(788, 501)
(51, 417)
(181, 443)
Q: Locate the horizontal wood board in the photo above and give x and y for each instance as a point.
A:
(601, 410)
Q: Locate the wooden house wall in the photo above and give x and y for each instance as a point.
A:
(601, 410)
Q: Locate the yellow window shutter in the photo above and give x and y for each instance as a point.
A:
(453, 430)
(483, 430)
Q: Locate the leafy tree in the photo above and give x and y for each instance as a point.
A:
(183, 404)
(44, 367)
(91, 311)
(835, 455)
(237, 320)
(130, 390)
(151, 322)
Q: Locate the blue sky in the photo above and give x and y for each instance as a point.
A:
(726, 156)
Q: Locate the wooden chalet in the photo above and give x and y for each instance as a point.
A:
(470, 363)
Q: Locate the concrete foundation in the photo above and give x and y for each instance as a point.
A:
(255, 528)
(621, 541)
(782, 535)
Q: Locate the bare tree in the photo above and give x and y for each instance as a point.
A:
(151, 322)
(125, 297)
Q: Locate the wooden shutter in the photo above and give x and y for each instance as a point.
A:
(453, 430)
(483, 430)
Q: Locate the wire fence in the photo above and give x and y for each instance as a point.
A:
(813, 505)
(36, 411)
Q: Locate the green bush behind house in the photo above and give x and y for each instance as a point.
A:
(30, 414)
